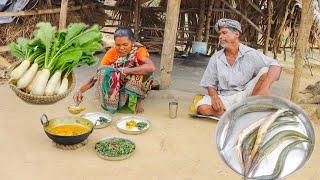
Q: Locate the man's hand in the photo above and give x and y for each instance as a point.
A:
(217, 104)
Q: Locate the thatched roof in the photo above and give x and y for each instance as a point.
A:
(285, 18)
(24, 26)
(253, 15)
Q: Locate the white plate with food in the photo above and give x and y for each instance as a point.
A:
(100, 119)
(133, 125)
(265, 137)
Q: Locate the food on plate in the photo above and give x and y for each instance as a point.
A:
(131, 124)
(115, 147)
(103, 119)
(141, 125)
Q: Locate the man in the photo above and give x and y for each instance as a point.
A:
(235, 72)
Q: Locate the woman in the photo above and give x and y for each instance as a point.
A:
(124, 77)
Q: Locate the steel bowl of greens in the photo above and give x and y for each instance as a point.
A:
(114, 148)
(265, 137)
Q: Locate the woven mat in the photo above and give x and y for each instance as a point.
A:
(70, 147)
(193, 111)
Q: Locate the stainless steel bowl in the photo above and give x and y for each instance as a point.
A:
(296, 158)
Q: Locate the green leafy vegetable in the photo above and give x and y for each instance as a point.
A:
(141, 125)
(115, 147)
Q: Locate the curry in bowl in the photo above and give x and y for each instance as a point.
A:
(68, 130)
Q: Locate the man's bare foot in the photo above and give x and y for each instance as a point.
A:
(139, 107)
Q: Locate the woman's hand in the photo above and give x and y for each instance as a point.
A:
(77, 97)
(124, 71)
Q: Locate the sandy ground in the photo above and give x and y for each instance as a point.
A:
(181, 148)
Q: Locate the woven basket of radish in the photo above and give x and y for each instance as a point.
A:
(45, 73)
(25, 94)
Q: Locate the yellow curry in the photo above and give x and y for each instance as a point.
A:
(68, 130)
(131, 124)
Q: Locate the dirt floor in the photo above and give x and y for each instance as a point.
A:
(181, 148)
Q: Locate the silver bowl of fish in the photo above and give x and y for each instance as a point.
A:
(265, 137)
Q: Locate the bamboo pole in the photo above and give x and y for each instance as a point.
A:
(301, 48)
(280, 31)
(169, 43)
(208, 23)
(255, 6)
(136, 19)
(44, 11)
(243, 16)
(266, 43)
(201, 20)
(63, 14)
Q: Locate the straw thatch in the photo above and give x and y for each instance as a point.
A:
(250, 13)
(24, 26)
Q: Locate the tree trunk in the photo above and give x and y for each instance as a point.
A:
(266, 44)
(303, 36)
(169, 42)
(208, 23)
(63, 14)
(201, 20)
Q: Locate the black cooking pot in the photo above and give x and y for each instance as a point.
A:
(49, 124)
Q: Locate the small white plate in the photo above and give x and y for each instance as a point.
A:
(94, 118)
(121, 125)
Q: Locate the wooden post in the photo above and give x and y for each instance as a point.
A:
(208, 23)
(301, 48)
(63, 14)
(45, 11)
(266, 43)
(201, 20)
(169, 42)
(136, 19)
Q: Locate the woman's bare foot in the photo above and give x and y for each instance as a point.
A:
(139, 107)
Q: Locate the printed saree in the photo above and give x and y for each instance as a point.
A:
(117, 91)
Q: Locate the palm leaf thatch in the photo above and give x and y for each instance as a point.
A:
(252, 14)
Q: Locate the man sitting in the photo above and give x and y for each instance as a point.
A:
(235, 72)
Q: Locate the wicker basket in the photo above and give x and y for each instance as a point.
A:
(36, 99)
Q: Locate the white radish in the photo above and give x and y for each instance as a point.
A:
(41, 83)
(30, 86)
(26, 79)
(64, 86)
(18, 71)
(52, 83)
(57, 87)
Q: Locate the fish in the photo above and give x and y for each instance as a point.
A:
(281, 160)
(263, 130)
(250, 140)
(273, 143)
(242, 111)
(252, 130)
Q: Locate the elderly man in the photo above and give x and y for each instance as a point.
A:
(235, 72)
